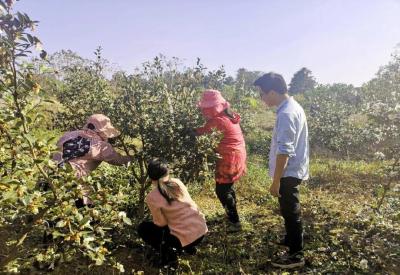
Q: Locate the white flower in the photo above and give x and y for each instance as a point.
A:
(364, 264)
(120, 267)
(122, 214)
(379, 155)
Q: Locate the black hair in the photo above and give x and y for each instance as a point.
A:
(113, 141)
(272, 81)
(170, 190)
(90, 126)
(229, 113)
(157, 168)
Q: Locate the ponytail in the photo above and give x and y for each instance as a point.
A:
(157, 170)
(229, 113)
(170, 190)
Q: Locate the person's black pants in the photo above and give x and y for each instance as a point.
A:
(162, 240)
(290, 209)
(227, 197)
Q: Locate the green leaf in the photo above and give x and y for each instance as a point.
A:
(30, 138)
(52, 101)
(20, 17)
(51, 139)
(22, 239)
(127, 220)
(30, 38)
(87, 240)
(26, 200)
(9, 181)
(61, 223)
(84, 221)
(18, 124)
(56, 234)
(10, 196)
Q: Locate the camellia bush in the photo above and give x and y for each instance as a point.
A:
(336, 121)
(156, 112)
(360, 123)
(82, 91)
(37, 198)
(155, 109)
(382, 107)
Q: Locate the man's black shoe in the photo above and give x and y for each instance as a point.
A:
(289, 261)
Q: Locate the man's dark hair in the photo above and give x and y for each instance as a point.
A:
(272, 81)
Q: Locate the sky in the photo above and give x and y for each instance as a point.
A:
(338, 40)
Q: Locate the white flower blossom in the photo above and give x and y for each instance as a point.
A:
(379, 155)
(364, 264)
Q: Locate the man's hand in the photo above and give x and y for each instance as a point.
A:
(274, 189)
(281, 163)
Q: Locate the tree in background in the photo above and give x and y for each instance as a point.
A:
(245, 82)
(335, 120)
(84, 89)
(382, 107)
(302, 81)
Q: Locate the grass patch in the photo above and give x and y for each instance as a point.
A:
(343, 234)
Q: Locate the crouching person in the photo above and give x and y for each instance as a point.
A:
(178, 225)
(87, 148)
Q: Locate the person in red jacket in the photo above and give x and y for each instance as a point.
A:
(232, 150)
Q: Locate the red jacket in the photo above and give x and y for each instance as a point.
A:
(232, 149)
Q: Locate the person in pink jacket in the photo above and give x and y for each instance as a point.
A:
(178, 225)
(232, 150)
(93, 141)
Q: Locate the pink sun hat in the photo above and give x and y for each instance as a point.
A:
(212, 98)
(102, 125)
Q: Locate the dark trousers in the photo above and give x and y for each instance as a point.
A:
(161, 239)
(227, 197)
(290, 209)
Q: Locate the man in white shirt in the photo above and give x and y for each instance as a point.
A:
(288, 162)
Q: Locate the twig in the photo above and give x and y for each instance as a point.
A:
(14, 251)
(386, 187)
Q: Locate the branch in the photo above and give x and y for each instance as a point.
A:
(386, 187)
(25, 128)
(22, 236)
